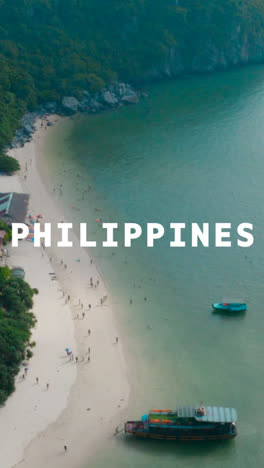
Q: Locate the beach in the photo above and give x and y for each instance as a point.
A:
(78, 399)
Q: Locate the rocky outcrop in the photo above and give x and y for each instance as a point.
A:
(95, 106)
(112, 96)
(70, 104)
(130, 99)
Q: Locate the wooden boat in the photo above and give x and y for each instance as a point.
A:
(230, 306)
(186, 424)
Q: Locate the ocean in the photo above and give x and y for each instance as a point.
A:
(193, 151)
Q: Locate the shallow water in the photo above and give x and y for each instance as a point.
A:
(192, 152)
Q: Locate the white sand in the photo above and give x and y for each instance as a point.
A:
(78, 415)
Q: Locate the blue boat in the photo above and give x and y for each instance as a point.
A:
(186, 424)
(230, 306)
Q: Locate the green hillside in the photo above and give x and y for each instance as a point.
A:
(53, 48)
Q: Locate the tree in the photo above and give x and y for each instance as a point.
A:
(16, 322)
(8, 230)
(8, 164)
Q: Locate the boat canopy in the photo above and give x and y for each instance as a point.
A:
(211, 414)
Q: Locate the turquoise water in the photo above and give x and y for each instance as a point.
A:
(192, 152)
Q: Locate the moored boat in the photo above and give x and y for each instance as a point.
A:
(186, 423)
(230, 306)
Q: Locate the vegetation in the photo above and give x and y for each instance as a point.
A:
(51, 48)
(8, 230)
(16, 322)
(8, 164)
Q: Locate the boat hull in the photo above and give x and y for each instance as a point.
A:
(186, 424)
(229, 307)
(198, 437)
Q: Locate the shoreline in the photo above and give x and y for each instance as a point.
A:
(100, 390)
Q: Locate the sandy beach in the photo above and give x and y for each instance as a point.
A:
(85, 399)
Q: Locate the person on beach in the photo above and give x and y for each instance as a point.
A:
(76, 359)
(116, 339)
(89, 350)
(91, 282)
(89, 332)
(90, 306)
(69, 297)
(65, 448)
(83, 315)
(37, 380)
(47, 386)
(88, 359)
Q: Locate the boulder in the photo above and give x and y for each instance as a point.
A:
(130, 98)
(28, 122)
(18, 139)
(95, 105)
(121, 88)
(109, 98)
(84, 105)
(124, 89)
(70, 103)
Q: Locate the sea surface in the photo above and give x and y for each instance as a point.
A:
(193, 151)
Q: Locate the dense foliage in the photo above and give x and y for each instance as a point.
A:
(51, 48)
(8, 164)
(15, 328)
(7, 229)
